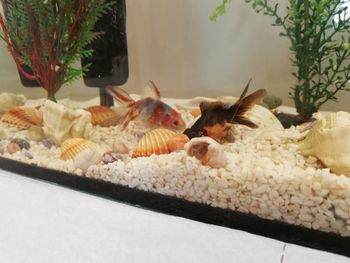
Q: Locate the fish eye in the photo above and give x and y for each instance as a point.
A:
(176, 123)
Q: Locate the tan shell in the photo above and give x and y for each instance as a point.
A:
(23, 117)
(177, 142)
(208, 151)
(329, 141)
(153, 142)
(62, 123)
(103, 116)
(84, 153)
(9, 101)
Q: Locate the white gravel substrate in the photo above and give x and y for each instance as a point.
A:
(265, 175)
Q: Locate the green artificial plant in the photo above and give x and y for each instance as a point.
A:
(319, 33)
(50, 36)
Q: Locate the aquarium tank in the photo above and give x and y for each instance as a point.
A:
(194, 108)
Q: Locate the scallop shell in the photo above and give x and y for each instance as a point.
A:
(154, 142)
(84, 153)
(23, 117)
(62, 123)
(103, 116)
(9, 101)
(329, 141)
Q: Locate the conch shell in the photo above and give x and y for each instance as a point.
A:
(329, 141)
(208, 151)
(84, 153)
(153, 142)
(61, 123)
(103, 116)
(9, 101)
(23, 117)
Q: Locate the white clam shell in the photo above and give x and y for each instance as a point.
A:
(61, 123)
(208, 151)
(82, 152)
(329, 141)
(9, 101)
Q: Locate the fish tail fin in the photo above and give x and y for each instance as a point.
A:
(131, 114)
(120, 95)
(244, 104)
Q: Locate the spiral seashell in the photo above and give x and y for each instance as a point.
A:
(84, 153)
(329, 141)
(23, 117)
(9, 101)
(103, 116)
(154, 142)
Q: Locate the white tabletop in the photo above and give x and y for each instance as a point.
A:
(41, 222)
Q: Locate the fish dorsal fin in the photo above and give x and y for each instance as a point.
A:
(120, 95)
(151, 91)
(245, 90)
(242, 107)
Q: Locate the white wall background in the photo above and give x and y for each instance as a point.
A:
(175, 44)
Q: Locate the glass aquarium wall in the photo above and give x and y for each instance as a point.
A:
(175, 44)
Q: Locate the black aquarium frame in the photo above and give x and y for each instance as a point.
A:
(329, 242)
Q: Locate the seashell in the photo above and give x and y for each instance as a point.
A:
(3, 133)
(154, 142)
(61, 123)
(208, 151)
(35, 133)
(23, 117)
(103, 116)
(120, 148)
(177, 143)
(84, 153)
(9, 101)
(329, 141)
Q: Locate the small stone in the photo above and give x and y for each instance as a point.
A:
(48, 143)
(341, 214)
(28, 155)
(13, 148)
(306, 217)
(23, 144)
(111, 157)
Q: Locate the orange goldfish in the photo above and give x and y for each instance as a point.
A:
(149, 109)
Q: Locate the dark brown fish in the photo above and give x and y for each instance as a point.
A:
(215, 115)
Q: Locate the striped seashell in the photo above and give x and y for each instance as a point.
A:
(82, 152)
(23, 117)
(9, 101)
(103, 116)
(154, 142)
